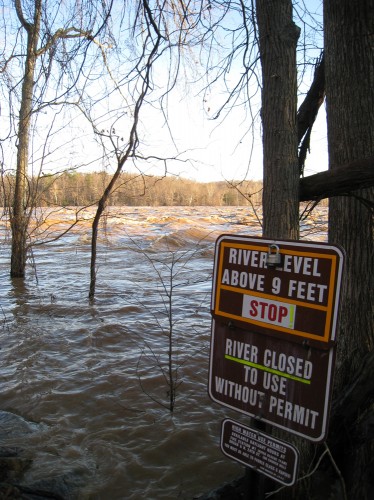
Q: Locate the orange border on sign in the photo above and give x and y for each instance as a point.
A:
(328, 308)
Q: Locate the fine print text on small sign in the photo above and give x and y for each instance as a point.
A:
(259, 451)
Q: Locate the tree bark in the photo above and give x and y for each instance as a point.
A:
(278, 37)
(349, 73)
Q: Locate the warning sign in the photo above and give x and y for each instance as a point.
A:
(285, 384)
(273, 331)
(298, 297)
(263, 453)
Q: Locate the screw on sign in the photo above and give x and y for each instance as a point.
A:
(273, 331)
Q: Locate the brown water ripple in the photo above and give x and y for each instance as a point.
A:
(79, 369)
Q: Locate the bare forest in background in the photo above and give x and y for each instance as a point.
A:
(84, 189)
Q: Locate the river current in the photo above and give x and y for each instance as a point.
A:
(94, 376)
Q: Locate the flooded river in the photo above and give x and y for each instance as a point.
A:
(95, 377)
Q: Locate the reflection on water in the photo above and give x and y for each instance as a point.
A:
(94, 375)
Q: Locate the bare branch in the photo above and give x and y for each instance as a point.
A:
(307, 112)
(19, 10)
(338, 181)
(67, 33)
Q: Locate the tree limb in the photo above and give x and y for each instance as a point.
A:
(308, 110)
(64, 33)
(338, 181)
(21, 17)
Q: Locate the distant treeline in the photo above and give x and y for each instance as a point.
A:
(82, 189)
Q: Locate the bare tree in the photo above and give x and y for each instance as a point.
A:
(122, 155)
(44, 56)
(174, 271)
(161, 30)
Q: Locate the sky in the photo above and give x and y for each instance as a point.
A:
(223, 150)
(217, 150)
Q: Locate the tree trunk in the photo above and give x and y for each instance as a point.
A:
(278, 37)
(95, 225)
(95, 231)
(19, 216)
(349, 68)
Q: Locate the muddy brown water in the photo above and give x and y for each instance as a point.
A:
(94, 376)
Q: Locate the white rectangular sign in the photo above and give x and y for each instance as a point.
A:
(269, 311)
